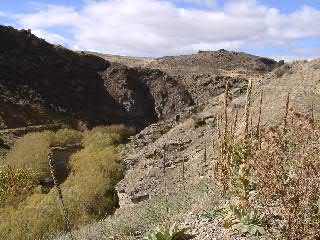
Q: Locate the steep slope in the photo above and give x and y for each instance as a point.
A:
(170, 165)
(191, 139)
(42, 83)
(205, 74)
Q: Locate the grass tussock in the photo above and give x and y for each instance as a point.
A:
(65, 137)
(88, 191)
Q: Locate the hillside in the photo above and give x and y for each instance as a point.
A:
(187, 191)
(42, 83)
(204, 74)
(223, 144)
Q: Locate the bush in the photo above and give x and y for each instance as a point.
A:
(123, 131)
(197, 109)
(15, 185)
(65, 137)
(106, 136)
(31, 152)
(89, 191)
(287, 173)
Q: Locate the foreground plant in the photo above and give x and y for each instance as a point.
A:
(243, 220)
(287, 172)
(167, 233)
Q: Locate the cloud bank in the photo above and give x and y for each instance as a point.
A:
(160, 27)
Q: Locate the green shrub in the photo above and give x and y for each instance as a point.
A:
(89, 191)
(15, 185)
(31, 152)
(106, 136)
(166, 233)
(123, 131)
(65, 137)
(198, 109)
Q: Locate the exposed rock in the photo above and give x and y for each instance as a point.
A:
(204, 75)
(41, 83)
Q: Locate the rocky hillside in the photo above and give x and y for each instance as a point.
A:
(187, 140)
(42, 83)
(205, 74)
(170, 166)
(180, 106)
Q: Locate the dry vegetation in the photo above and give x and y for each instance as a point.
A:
(28, 212)
(271, 176)
(287, 172)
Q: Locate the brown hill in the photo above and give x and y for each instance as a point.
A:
(204, 74)
(42, 83)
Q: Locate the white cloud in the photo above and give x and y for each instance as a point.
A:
(51, 16)
(51, 37)
(158, 27)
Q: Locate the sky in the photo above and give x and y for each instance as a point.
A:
(280, 29)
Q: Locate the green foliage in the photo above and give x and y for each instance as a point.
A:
(166, 233)
(197, 109)
(3, 152)
(214, 213)
(123, 131)
(65, 137)
(31, 152)
(244, 221)
(15, 185)
(89, 191)
(101, 137)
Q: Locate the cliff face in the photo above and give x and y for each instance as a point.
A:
(42, 83)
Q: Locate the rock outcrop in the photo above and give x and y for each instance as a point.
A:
(205, 74)
(42, 83)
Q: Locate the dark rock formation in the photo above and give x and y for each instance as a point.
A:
(42, 83)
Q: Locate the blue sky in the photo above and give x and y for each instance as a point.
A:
(285, 29)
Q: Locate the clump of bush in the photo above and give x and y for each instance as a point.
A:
(197, 109)
(31, 152)
(15, 185)
(89, 191)
(287, 173)
(3, 151)
(65, 137)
